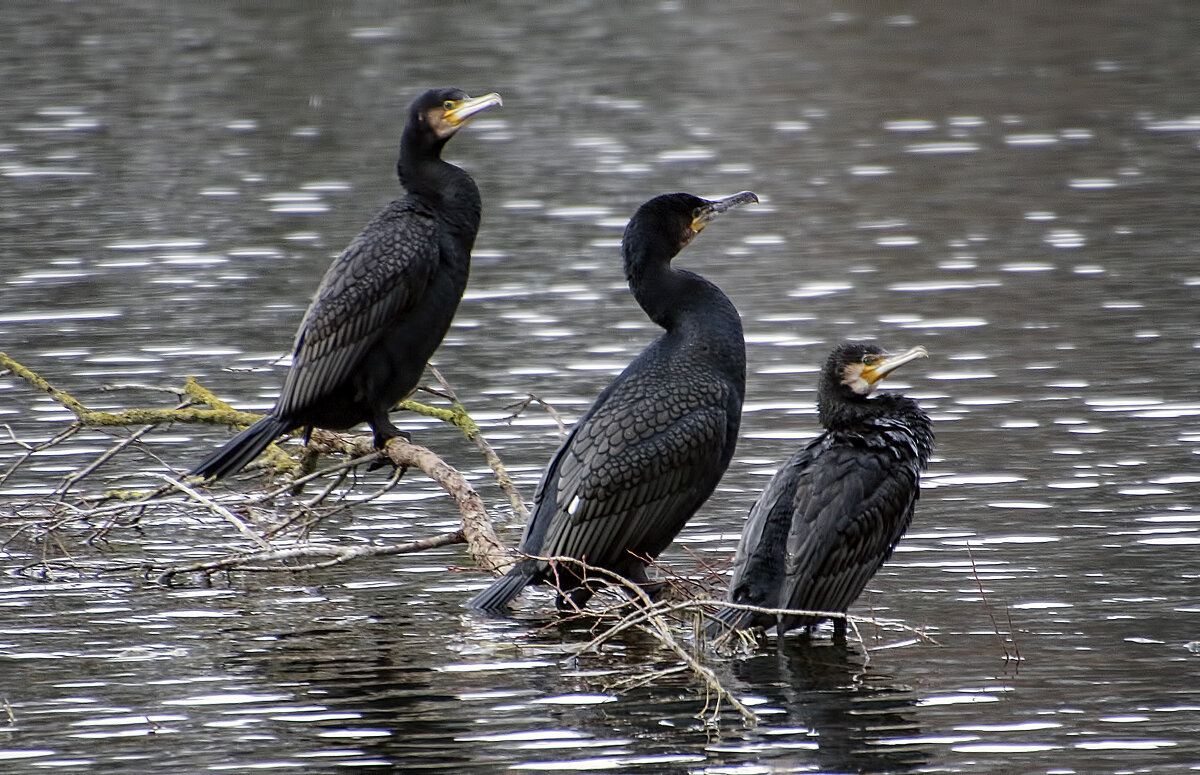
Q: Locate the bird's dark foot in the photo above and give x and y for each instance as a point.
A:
(654, 590)
(573, 600)
(383, 462)
(386, 432)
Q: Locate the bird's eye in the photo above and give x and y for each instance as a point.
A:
(447, 105)
(696, 213)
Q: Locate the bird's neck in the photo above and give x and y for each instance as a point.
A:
(448, 189)
(688, 306)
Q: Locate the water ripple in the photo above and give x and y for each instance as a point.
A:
(943, 148)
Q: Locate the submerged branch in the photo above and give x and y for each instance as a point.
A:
(274, 524)
(272, 560)
(650, 617)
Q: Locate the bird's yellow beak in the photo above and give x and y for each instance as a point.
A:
(458, 111)
(874, 372)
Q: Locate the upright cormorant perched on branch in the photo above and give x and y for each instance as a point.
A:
(831, 516)
(385, 304)
(653, 446)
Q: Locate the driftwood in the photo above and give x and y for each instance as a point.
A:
(280, 545)
(476, 531)
(483, 544)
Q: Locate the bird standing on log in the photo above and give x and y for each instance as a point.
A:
(833, 513)
(386, 303)
(653, 446)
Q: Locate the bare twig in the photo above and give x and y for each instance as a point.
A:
(650, 620)
(458, 417)
(216, 508)
(484, 546)
(77, 476)
(518, 408)
(987, 606)
(271, 561)
(775, 612)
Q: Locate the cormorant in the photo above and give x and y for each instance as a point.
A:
(653, 446)
(834, 512)
(385, 304)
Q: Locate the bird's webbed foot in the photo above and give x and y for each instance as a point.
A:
(653, 589)
(385, 432)
(573, 600)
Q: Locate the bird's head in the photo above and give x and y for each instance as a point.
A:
(858, 367)
(667, 223)
(443, 111)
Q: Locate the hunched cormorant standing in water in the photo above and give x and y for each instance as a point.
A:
(385, 304)
(653, 446)
(831, 516)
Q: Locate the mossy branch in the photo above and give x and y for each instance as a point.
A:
(221, 413)
(457, 416)
(485, 547)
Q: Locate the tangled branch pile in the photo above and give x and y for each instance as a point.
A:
(271, 527)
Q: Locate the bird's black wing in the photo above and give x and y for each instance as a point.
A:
(852, 505)
(759, 562)
(373, 283)
(636, 469)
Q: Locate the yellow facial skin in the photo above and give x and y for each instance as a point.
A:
(452, 114)
(705, 215)
(863, 377)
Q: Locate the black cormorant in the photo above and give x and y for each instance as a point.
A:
(385, 304)
(653, 446)
(831, 516)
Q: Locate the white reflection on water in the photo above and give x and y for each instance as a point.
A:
(692, 154)
(1092, 184)
(1065, 238)
(1003, 748)
(943, 148)
(67, 314)
(233, 698)
(870, 170)
(1126, 745)
(1030, 139)
(18, 170)
(575, 699)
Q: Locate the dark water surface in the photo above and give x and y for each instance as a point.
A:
(1012, 186)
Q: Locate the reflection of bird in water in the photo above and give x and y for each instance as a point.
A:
(832, 699)
(385, 304)
(653, 446)
(831, 516)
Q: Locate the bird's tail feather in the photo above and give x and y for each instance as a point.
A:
(241, 449)
(495, 598)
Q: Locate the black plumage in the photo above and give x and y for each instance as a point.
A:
(386, 303)
(833, 513)
(653, 446)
